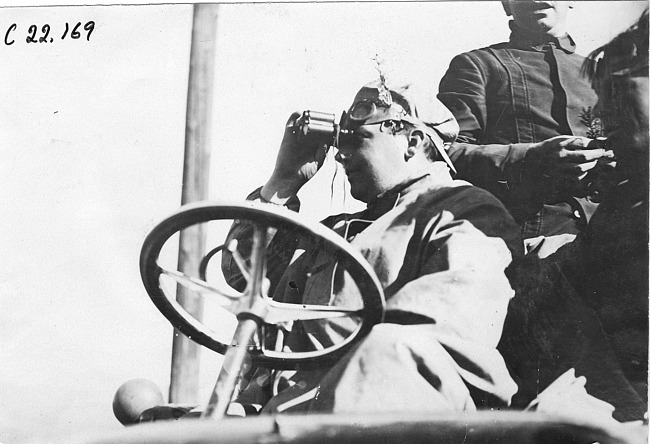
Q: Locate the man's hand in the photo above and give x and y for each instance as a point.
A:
(297, 162)
(565, 160)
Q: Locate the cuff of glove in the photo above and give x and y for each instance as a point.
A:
(293, 203)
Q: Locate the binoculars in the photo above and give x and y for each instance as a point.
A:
(316, 127)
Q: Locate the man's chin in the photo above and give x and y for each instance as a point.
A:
(541, 23)
(545, 25)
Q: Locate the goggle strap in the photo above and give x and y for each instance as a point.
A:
(445, 156)
(440, 147)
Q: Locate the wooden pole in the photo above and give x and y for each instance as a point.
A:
(184, 384)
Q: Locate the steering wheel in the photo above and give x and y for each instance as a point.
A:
(254, 309)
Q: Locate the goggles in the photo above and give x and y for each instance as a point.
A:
(367, 112)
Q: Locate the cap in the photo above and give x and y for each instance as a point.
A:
(375, 103)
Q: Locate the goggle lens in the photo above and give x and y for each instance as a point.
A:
(362, 111)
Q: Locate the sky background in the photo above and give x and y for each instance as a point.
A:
(91, 152)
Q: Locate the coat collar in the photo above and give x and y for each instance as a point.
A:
(523, 41)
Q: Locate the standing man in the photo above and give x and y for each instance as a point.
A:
(524, 112)
(526, 116)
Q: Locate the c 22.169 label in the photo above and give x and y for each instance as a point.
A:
(47, 34)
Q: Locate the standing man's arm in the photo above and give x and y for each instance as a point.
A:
(520, 174)
(464, 90)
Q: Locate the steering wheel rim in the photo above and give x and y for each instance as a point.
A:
(271, 216)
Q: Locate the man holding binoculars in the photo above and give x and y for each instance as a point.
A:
(427, 238)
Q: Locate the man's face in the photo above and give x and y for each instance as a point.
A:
(373, 159)
(623, 109)
(539, 17)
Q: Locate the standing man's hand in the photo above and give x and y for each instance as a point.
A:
(565, 160)
(298, 161)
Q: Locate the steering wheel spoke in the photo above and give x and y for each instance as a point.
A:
(239, 260)
(221, 297)
(281, 313)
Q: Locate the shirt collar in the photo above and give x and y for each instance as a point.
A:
(524, 41)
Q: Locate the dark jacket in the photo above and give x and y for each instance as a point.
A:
(505, 97)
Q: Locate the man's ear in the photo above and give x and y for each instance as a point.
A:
(506, 7)
(416, 143)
